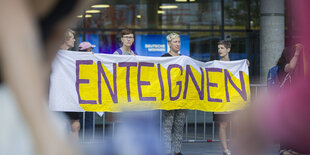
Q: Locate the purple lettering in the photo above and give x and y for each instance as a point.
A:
(189, 72)
(80, 81)
(128, 65)
(144, 82)
(242, 92)
(101, 72)
(209, 84)
(179, 83)
(160, 78)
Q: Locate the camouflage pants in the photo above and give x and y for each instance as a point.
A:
(173, 124)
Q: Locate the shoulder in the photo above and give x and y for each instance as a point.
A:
(134, 53)
(166, 55)
(116, 53)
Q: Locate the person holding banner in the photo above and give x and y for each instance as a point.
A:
(173, 120)
(74, 117)
(127, 39)
(68, 40)
(224, 117)
(89, 120)
(86, 47)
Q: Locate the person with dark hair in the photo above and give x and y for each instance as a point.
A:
(287, 64)
(287, 70)
(223, 117)
(127, 40)
(173, 120)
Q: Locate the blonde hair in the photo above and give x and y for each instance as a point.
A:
(171, 36)
(69, 34)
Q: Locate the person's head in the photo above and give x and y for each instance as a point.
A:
(174, 42)
(223, 48)
(287, 55)
(69, 39)
(86, 47)
(128, 37)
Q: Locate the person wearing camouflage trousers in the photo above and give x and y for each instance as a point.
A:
(173, 124)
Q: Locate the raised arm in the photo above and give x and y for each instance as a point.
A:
(292, 64)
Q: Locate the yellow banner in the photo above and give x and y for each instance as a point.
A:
(145, 85)
(82, 81)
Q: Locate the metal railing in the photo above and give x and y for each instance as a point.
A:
(198, 121)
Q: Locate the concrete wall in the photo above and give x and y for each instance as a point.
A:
(272, 34)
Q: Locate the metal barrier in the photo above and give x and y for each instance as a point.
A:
(195, 123)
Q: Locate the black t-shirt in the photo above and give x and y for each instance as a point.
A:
(166, 55)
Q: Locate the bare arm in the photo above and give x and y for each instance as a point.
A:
(292, 64)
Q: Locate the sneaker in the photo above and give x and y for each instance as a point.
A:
(227, 152)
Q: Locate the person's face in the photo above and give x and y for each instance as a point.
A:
(90, 50)
(127, 40)
(175, 44)
(70, 41)
(222, 50)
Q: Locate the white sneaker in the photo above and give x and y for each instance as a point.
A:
(227, 152)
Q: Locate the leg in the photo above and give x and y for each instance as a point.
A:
(222, 134)
(89, 125)
(177, 130)
(167, 127)
(75, 129)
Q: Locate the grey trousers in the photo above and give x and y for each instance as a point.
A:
(173, 124)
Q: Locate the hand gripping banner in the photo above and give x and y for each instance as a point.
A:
(83, 81)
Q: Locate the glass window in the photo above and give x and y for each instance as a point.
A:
(235, 14)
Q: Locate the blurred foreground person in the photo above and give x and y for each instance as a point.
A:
(288, 72)
(29, 39)
(282, 116)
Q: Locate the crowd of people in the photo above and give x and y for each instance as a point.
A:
(173, 120)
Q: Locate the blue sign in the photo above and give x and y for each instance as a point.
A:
(156, 45)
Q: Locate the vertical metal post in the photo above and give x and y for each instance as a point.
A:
(94, 121)
(160, 124)
(204, 125)
(113, 127)
(83, 136)
(222, 20)
(195, 125)
(103, 126)
(213, 131)
(186, 128)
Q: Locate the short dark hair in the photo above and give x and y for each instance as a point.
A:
(127, 31)
(225, 43)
